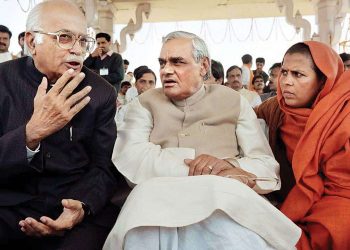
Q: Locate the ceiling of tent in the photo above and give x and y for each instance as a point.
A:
(183, 10)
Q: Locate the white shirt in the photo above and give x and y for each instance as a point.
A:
(252, 97)
(245, 75)
(5, 56)
(138, 159)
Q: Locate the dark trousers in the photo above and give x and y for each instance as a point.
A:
(90, 234)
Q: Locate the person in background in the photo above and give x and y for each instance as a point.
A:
(217, 73)
(105, 62)
(309, 133)
(345, 57)
(247, 74)
(5, 40)
(21, 44)
(234, 81)
(57, 133)
(121, 94)
(260, 63)
(271, 89)
(145, 80)
(258, 84)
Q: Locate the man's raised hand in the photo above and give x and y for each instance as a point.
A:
(54, 109)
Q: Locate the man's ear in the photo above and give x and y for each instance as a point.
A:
(30, 42)
(205, 66)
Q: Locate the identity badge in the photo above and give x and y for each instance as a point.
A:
(103, 72)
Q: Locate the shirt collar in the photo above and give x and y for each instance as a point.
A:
(192, 99)
(109, 53)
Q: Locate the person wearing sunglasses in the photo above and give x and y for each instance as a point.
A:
(57, 133)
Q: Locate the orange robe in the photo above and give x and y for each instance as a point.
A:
(317, 143)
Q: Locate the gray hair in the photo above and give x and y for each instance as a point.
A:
(34, 21)
(200, 49)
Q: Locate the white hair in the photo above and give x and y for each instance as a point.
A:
(34, 21)
(199, 51)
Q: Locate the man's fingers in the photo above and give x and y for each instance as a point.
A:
(202, 166)
(35, 228)
(62, 81)
(71, 204)
(219, 166)
(70, 87)
(79, 106)
(53, 224)
(78, 96)
(42, 88)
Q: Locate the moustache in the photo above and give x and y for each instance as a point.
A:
(73, 58)
(3, 44)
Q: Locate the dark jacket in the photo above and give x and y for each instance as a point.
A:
(74, 164)
(113, 63)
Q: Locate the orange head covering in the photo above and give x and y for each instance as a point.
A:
(317, 143)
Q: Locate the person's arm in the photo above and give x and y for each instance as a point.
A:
(257, 157)
(115, 71)
(137, 158)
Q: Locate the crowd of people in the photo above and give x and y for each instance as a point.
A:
(214, 159)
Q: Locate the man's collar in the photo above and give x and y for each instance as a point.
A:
(192, 99)
(109, 53)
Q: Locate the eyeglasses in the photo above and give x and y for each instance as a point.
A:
(66, 40)
(245, 179)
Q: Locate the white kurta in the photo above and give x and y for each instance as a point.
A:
(172, 201)
(252, 97)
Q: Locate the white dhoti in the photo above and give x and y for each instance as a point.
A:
(200, 212)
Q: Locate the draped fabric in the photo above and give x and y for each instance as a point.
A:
(318, 145)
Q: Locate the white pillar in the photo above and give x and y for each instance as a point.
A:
(330, 15)
(104, 20)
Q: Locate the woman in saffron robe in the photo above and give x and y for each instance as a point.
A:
(309, 132)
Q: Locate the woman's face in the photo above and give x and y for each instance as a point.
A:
(298, 81)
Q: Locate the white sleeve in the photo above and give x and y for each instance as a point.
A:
(31, 153)
(137, 158)
(245, 76)
(256, 101)
(257, 157)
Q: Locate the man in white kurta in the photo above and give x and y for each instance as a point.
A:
(179, 144)
(234, 75)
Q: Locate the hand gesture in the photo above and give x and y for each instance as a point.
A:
(54, 109)
(97, 52)
(72, 214)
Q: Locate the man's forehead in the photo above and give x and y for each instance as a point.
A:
(4, 34)
(234, 72)
(63, 18)
(178, 47)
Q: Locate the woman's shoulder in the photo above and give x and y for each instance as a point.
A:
(268, 110)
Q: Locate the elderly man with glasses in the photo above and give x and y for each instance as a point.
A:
(57, 133)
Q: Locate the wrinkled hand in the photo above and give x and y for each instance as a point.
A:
(72, 214)
(206, 164)
(54, 109)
